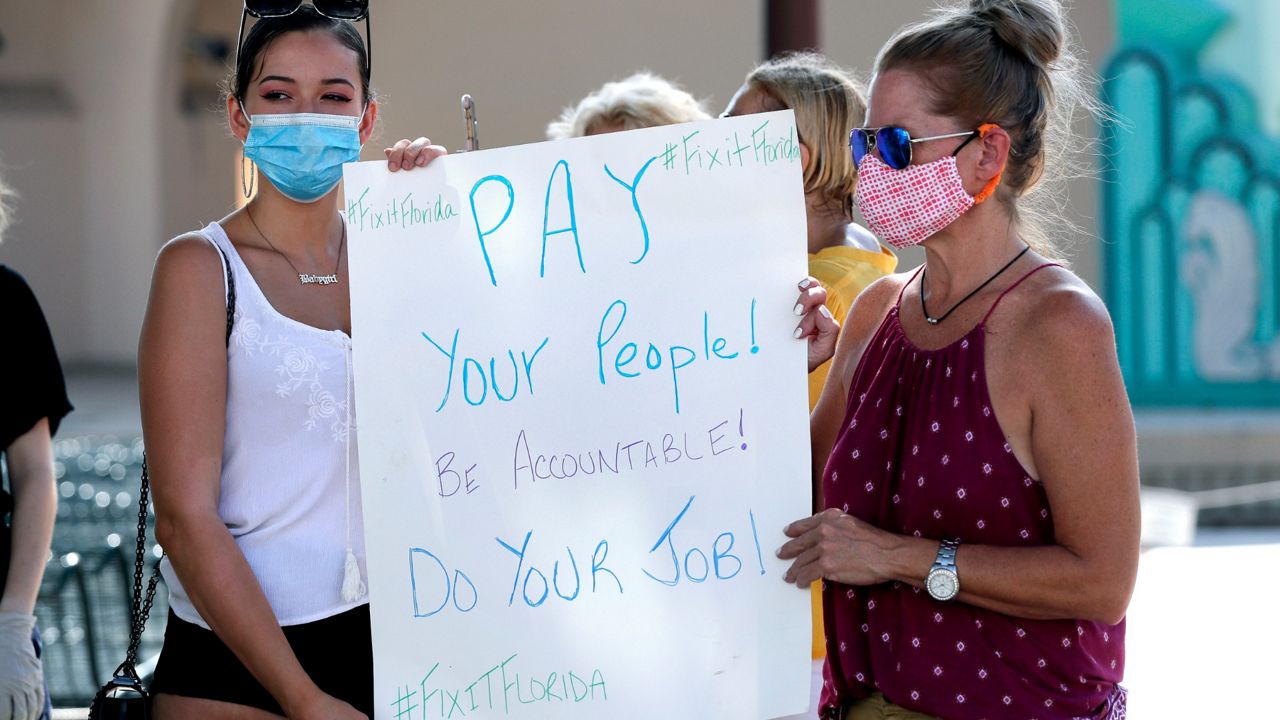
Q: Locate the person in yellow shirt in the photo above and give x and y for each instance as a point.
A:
(844, 270)
(844, 256)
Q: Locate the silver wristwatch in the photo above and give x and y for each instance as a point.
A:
(943, 582)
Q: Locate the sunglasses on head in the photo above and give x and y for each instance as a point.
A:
(350, 10)
(894, 144)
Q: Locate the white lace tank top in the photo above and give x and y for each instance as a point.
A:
(290, 493)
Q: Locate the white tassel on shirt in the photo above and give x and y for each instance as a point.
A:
(352, 586)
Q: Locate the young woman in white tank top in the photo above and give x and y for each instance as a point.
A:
(251, 438)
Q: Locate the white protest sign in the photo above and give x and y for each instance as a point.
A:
(583, 425)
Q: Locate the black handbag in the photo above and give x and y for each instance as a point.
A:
(125, 697)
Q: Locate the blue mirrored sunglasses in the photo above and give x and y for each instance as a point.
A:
(894, 144)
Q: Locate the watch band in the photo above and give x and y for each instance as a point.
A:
(947, 555)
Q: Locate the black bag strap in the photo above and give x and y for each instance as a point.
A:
(141, 605)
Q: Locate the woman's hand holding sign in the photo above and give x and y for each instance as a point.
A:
(833, 545)
(817, 324)
(407, 154)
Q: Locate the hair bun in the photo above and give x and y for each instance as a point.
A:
(1034, 28)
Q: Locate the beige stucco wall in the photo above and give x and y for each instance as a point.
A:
(105, 182)
(87, 173)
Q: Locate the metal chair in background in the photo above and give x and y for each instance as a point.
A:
(83, 607)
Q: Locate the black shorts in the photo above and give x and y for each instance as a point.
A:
(336, 652)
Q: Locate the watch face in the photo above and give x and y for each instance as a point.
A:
(942, 584)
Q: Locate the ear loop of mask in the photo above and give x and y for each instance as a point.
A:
(989, 189)
(360, 122)
(248, 178)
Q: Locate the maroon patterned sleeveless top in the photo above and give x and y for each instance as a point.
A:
(921, 453)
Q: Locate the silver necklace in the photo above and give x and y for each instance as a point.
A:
(305, 278)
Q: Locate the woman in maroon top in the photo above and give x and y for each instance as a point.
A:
(974, 442)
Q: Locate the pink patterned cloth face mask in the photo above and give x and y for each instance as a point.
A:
(904, 207)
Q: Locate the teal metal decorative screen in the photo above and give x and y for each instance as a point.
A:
(1191, 233)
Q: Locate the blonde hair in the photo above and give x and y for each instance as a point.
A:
(828, 103)
(1011, 63)
(640, 101)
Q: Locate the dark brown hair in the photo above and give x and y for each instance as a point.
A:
(304, 19)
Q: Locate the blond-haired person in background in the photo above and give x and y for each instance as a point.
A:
(641, 101)
(828, 102)
(844, 256)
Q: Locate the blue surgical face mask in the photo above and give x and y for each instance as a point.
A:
(302, 153)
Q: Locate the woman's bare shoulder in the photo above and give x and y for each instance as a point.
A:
(188, 257)
(864, 318)
(188, 278)
(873, 302)
(1060, 322)
(1063, 306)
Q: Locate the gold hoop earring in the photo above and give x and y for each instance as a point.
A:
(248, 183)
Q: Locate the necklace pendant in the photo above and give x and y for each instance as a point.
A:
(932, 320)
(308, 279)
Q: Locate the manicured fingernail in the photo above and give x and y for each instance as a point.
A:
(825, 312)
(805, 283)
(799, 332)
(799, 309)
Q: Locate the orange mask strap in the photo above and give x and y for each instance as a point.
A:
(990, 187)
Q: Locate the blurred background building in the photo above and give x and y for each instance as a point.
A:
(113, 132)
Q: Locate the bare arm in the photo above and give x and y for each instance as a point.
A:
(30, 459)
(183, 380)
(1085, 448)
